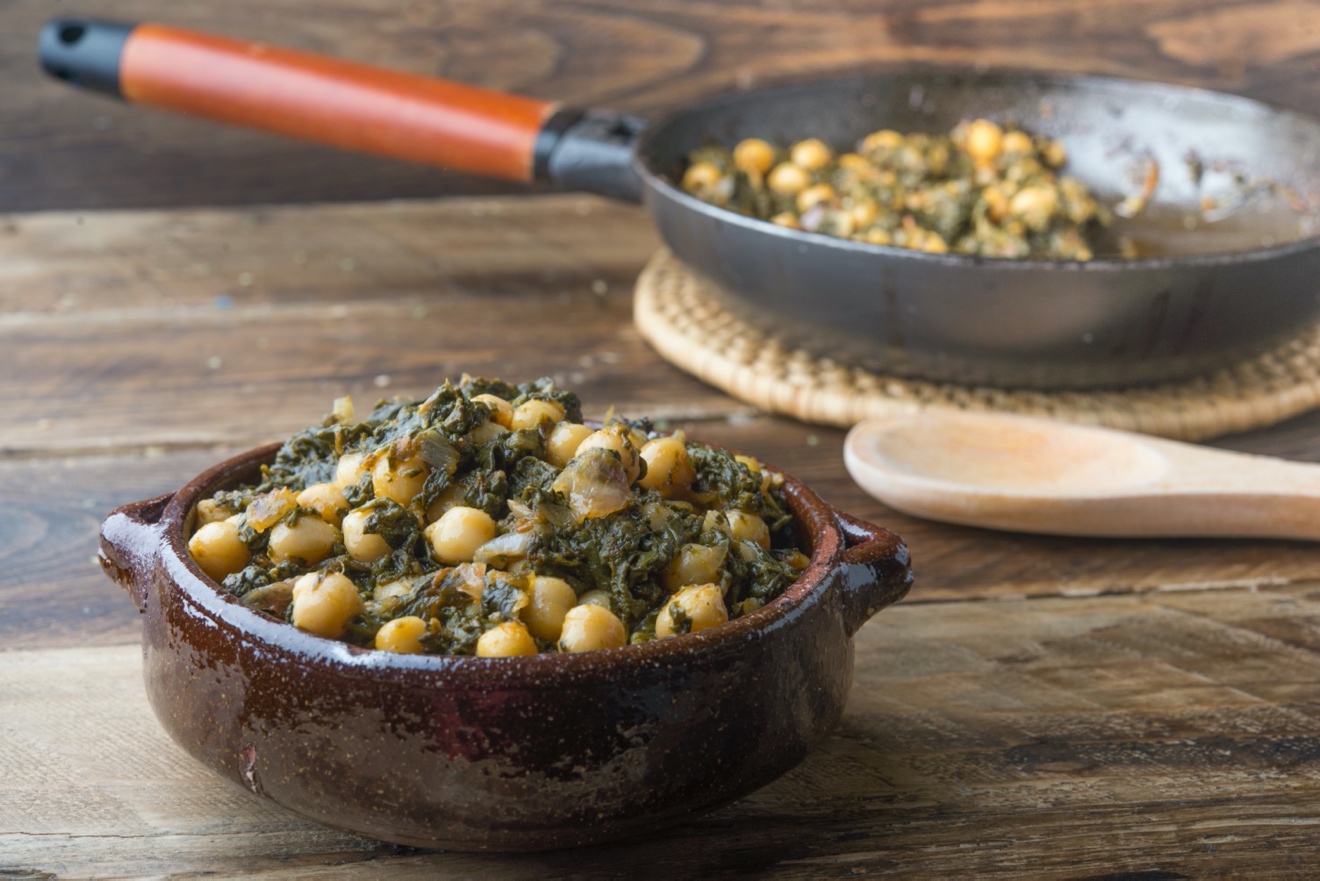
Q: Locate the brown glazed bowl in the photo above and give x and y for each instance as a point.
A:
(510, 754)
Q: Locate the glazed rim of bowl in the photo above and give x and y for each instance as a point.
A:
(813, 516)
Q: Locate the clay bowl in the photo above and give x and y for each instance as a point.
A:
(497, 753)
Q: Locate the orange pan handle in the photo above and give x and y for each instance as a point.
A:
(312, 97)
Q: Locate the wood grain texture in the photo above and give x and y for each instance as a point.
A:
(1055, 738)
(62, 149)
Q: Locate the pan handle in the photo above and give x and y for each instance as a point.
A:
(130, 545)
(876, 570)
(348, 105)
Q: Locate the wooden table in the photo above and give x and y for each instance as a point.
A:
(1037, 707)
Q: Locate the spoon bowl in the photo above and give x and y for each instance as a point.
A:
(1036, 475)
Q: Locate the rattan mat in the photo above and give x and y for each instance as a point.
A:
(677, 316)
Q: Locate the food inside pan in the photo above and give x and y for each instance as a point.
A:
(488, 520)
(979, 189)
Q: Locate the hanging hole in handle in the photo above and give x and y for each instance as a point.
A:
(69, 35)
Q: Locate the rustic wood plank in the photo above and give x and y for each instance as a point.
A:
(62, 149)
(1060, 738)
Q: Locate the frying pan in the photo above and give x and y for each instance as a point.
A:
(1208, 287)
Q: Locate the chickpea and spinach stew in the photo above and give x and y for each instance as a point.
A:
(980, 189)
(488, 520)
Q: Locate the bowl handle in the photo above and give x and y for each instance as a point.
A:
(130, 543)
(875, 570)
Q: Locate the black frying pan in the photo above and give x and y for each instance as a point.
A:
(1207, 289)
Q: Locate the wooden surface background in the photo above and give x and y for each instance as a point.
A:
(1038, 707)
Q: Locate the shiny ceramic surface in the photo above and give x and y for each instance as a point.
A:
(497, 753)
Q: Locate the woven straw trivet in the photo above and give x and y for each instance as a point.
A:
(676, 315)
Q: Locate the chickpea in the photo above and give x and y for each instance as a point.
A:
(217, 548)
(308, 541)
(996, 202)
(390, 589)
(864, 213)
(813, 196)
(668, 468)
(550, 600)
(877, 237)
(854, 162)
(788, 179)
(596, 598)
(700, 176)
(1016, 142)
(453, 496)
(751, 462)
(324, 603)
(487, 432)
(753, 156)
(563, 442)
(211, 511)
(589, 627)
(325, 499)
(701, 604)
(933, 243)
(363, 546)
(1055, 154)
(348, 471)
(501, 411)
(985, 140)
(748, 527)
(507, 640)
(786, 219)
(1035, 205)
(530, 414)
(398, 479)
(885, 139)
(695, 564)
(403, 635)
(811, 154)
(617, 437)
(458, 533)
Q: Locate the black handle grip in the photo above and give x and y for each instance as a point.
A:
(83, 52)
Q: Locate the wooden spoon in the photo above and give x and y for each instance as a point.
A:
(1036, 475)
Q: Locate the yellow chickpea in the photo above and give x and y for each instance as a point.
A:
(399, 479)
(985, 140)
(617, 437)
(877, 237)
(453, 496)
(309, 541)
(786, 219)
(458, 533)
(669, 471)
(348, 471)
(487, 431)
(864, 213)
(811, 154)
(589, 627)
(695, 564)
(596, 598)
(501, 411)
(563, 442)
(748, 527)
(1055, 154)
(753, 156)
(506, 640)
(813, 196)
(402, 635)
(325, 499)
(934, 243)
(530, 414)
(390, 589)
(1016, 142)
(323, 604)
(551, 598)
(854, 162)
(883, 139)
(217, 549)
(700, 176)
(788, 179)
(701, 604)
(363, 546)
(1035, 205)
